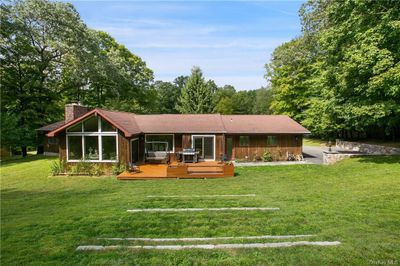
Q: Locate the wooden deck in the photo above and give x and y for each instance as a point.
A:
(180, 170)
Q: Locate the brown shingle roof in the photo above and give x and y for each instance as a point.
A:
(278, 124)
(180, 123)
(122, 120)
(52, 126)
(132, 124)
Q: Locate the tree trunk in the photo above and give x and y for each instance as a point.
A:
(24, 151)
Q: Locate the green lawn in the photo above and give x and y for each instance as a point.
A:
(316, 142)
(357, 202)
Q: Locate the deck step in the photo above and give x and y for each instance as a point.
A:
(205, 173)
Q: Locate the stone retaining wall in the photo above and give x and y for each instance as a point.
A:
(366, 148)
(331, 157)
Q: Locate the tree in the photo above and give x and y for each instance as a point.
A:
(223, 100)
(181, 81)
(49, 57)
(243, 102)
(263, 99)
(197, 94)
(341, 77)
(289, 72)
(110, 75)
(35, 38)
(168, 95)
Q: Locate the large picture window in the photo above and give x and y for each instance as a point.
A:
(74, 147)
(160, 142)
(109, 147)
(93, 140)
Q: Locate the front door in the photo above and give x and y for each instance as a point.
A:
(205, 146)
(229, 147)
(134, 150)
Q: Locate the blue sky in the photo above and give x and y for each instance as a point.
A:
(229, 40)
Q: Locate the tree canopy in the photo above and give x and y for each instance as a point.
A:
(50, 57)
(341, 77)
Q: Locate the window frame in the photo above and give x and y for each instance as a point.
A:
(173, 141)
(248, 144)
(52, 140)
(214, 144)
(99, 134)
(271, 145)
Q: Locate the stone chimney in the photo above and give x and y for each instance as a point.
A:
(73, 111)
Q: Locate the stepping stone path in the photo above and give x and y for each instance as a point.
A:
(205, 246)
(212, 246)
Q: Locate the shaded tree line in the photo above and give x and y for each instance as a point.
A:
(341, 77)
(195, 95)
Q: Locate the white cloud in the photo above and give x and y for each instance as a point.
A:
(171, 45)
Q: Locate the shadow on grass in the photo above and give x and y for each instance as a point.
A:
(27, 159)
(380, 159)
(15, 194)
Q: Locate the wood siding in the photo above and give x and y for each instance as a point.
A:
(219, 146)
(123, 149)
(62, 148)
(48, 147)
(258, 146)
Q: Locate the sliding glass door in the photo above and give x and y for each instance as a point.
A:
(204, 144)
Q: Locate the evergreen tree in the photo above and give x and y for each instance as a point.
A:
(197, 94)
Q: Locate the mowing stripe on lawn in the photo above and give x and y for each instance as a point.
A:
(200, 196)
(204, 209)
(200, 238)
(211, 246)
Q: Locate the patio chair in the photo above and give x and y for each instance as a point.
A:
(133, 168)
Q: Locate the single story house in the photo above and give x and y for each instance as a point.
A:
(104, 136)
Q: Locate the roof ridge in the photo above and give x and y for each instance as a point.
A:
(115, 111)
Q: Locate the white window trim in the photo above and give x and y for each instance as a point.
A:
(215, 140)
(173, 141)
(99, 134)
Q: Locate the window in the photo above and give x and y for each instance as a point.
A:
(91, 124)
(160, 142)
(272, 140)
(76, 128)
(74, 147)
(52, 141)
(106, 127)
(244, 141)
(109, 147)
(91, 148)
(92, 144)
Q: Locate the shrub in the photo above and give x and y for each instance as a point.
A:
(95, 170)
(73, 169)
(267, 157)
(57, 167)
(257, 158)
(84, 168)
(117, 168)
